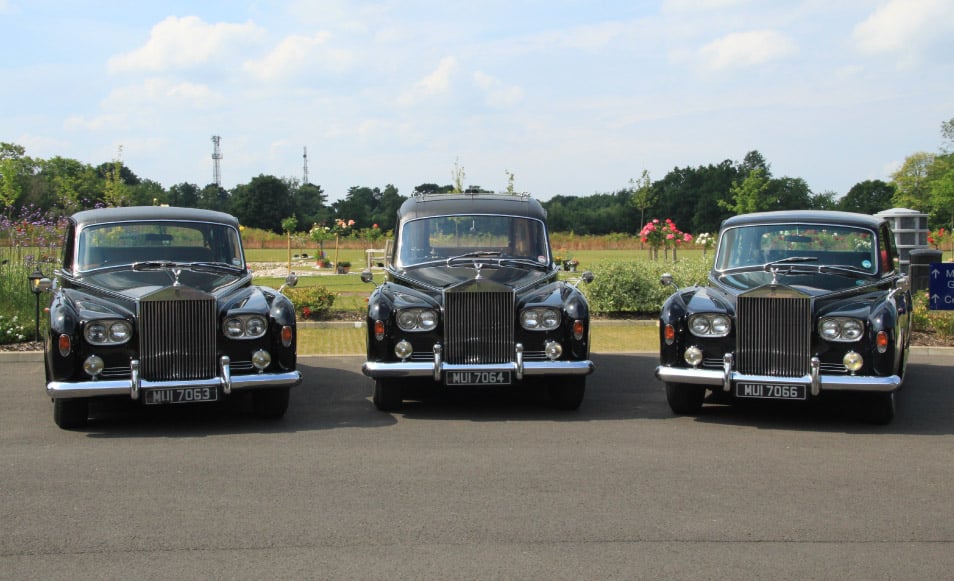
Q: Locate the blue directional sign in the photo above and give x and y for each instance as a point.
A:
(941, 290)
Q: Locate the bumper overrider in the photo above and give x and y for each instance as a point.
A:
(135, 385)
(438, 367)
(814, 380)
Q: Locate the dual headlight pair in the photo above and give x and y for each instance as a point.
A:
(840, 329)
(531, 319)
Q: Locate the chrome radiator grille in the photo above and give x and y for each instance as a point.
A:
(177, 338)
(478, 327)
(774, 336)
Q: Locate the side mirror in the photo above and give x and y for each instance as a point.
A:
(43, 285)
(665, 279)
(587, 277)
(367, 276)
(290, 281)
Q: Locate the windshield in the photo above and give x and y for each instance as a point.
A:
(819, 256)
(127, 243)
(442, 237)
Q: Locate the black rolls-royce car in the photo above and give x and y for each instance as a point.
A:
(472, 297)
(156, 304)
(797, 304)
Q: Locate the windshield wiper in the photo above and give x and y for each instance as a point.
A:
(790, 260)
(844, 269)
(525, 262)
(474, 254)
(213, 266)
(154, 265)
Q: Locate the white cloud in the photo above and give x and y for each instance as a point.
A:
(162, 92)
(744, 49)
(298, 54)
(433, 84)
(905, 27)
(496, 93)
(182, 43)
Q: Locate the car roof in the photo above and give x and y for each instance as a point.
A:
(422, 206)
(146, 213)
(805, 217)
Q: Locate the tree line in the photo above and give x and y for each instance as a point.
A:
(695, 198)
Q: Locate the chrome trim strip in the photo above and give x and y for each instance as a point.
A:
(384, 370)
(67, 389)
(824, 382)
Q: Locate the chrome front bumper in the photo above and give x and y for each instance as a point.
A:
(436, 368)
(135, 385)
(814, 380)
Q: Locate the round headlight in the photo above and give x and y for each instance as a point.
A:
(699, 326)
(709, 325)
(95, 333)
(234, 328)
(553, 350)
(852, 329)
(255, 326)
(719, 325)
(120, 331)
(829, 329)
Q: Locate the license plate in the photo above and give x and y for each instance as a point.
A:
(180, 395)
(770, 391)
(477, 378)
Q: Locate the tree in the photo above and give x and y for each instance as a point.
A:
(424, 189)
(823, 201)
(947, 133)
(643, 196)
(788, 194)
(262, 203)
(910, 181)
(311, 203)
(868, 197)
(458, 176)
(215, 197)
(148, 192)
(941, 190)
(185, 195)
(750, 195)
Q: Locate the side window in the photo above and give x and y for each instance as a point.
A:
(887, 253)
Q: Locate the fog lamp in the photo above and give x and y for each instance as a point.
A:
(93, 365)
(261, 359)
(693, 356)
(853, 361)
(553, 350)
(403, 349)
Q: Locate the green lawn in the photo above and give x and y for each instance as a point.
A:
(605, 337)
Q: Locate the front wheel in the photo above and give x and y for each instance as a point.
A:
(567, 393)
(685, 399)
(270, 404)
(386, 395)
(70, 413)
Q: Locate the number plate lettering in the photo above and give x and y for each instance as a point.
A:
(477, 378)
(180, 395)
(770, 391)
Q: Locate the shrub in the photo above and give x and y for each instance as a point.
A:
(633, 287)
(13, 331)
(311, 302)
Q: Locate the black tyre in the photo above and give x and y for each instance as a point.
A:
(567, 393)
(879, 408)
(386, 394)
(685, 399)
(270, 404)
(70, 413)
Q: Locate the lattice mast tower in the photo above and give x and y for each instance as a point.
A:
(305, 158)
(216, 161)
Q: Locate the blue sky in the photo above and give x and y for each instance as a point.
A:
(572, 97)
